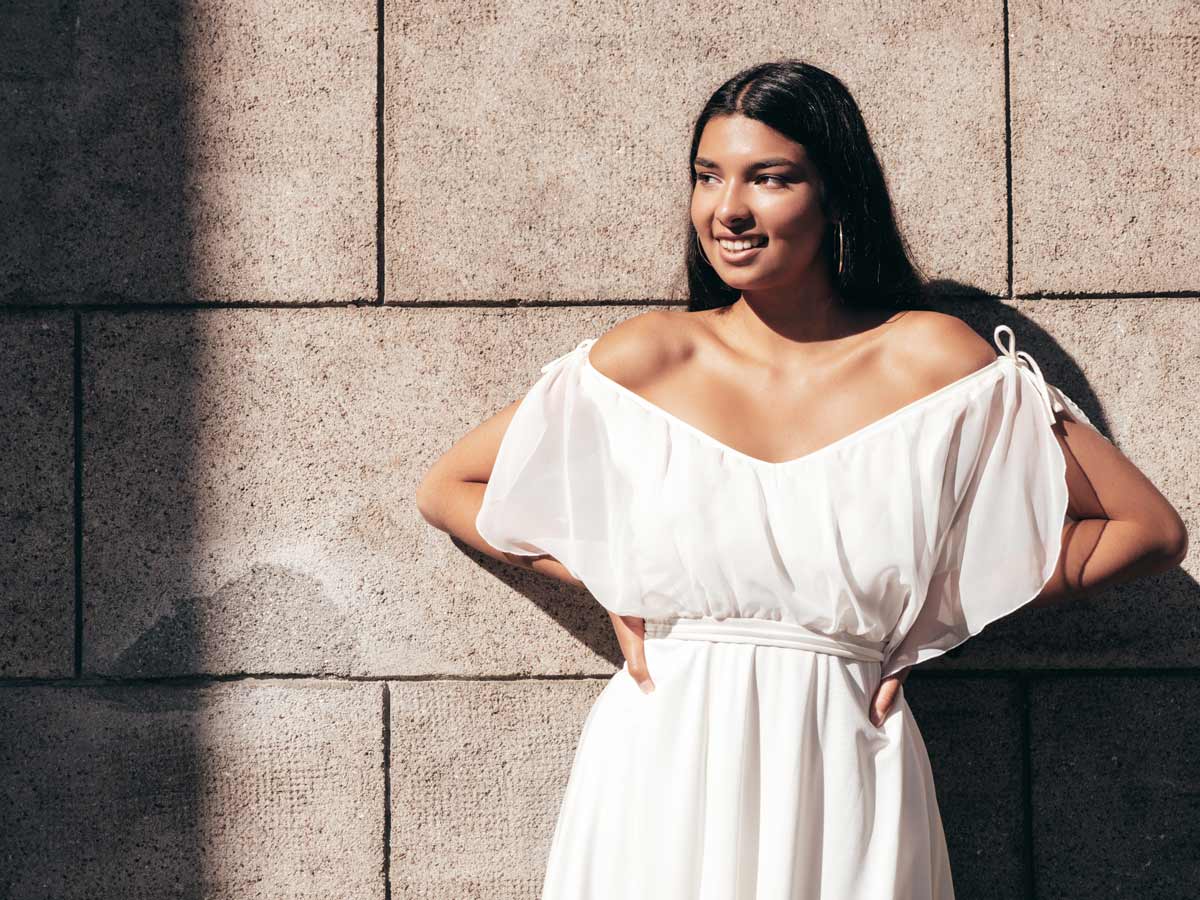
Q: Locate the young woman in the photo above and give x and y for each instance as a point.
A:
(786, 497)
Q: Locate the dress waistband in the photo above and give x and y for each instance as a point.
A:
(741, 630)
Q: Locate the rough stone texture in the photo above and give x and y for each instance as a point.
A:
(36, 41)
(559, 134)
(223, 791)
(1106, 166)
(1115, 785)
(37, 505)
(1121, 362)
(215, 151)
(973, 732)
(249, 494)
(473, 812)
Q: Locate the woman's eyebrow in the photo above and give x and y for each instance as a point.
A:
(753, 167)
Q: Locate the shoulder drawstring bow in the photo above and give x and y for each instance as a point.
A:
(1049, 404)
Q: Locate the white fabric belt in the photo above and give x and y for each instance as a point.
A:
(760, 631)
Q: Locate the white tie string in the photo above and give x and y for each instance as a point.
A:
(1048, 403)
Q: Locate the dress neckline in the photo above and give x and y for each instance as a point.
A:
(837, 444)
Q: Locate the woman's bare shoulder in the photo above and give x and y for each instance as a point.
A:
(637, 350)
(937, 348)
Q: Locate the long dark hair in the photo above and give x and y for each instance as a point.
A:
(814, 108)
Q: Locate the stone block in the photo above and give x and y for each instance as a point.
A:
(37, 496)
(241, 789)
(473, 811)
(552, 140)
(213, 151)
(1115, 785)
(973, 732)
(1105, 163)
(250, 481)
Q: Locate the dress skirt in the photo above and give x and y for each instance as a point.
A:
(751, 772)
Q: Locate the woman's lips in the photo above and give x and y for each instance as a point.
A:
(739, 256)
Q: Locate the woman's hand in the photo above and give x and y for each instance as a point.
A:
(885, 696)
(631, 634)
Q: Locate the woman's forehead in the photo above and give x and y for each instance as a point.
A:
(739, 140)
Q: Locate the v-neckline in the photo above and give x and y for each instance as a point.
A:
(836, 444)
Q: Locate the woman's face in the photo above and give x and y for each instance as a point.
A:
(737, 196)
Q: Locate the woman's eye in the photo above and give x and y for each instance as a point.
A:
(701, 176)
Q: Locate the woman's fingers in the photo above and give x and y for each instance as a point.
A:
(883, 700)
(631, 634)
(885, 696)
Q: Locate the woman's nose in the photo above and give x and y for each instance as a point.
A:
(732, 209)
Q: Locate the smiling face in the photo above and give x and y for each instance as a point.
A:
(737, 196)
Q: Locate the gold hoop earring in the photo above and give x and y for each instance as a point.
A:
(701, 249)
(840, 247)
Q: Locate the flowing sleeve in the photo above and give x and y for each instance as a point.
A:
(550, 487)
(1001, 509)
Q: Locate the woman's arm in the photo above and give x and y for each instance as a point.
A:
(450, 494)
(1126, 529)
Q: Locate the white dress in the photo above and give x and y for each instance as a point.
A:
(776, 597)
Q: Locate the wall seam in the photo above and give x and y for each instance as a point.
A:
(77, 486)
(380, 269)
(1027, 786)
(635, 302)
(387, 792)
(1008, 167)
(204, 680)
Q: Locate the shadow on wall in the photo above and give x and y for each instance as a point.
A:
(983, 313)
(92, 156)
(101, 786)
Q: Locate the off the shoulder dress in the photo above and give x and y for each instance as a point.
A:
(776, 597)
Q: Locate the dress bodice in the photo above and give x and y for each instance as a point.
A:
(908, 535)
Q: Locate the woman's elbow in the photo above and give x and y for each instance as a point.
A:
(1174, 542)
(428, 500)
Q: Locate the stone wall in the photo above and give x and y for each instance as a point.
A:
(262, 262)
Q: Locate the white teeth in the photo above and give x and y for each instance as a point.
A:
(742, 245)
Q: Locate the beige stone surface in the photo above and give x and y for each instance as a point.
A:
(215, 151)
(1106, 162)
(249, 493)
(37, 498)
(235, 790)
(474, 810)
(280, 193)
(549, 140)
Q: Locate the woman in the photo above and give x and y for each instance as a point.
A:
(785, 498)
